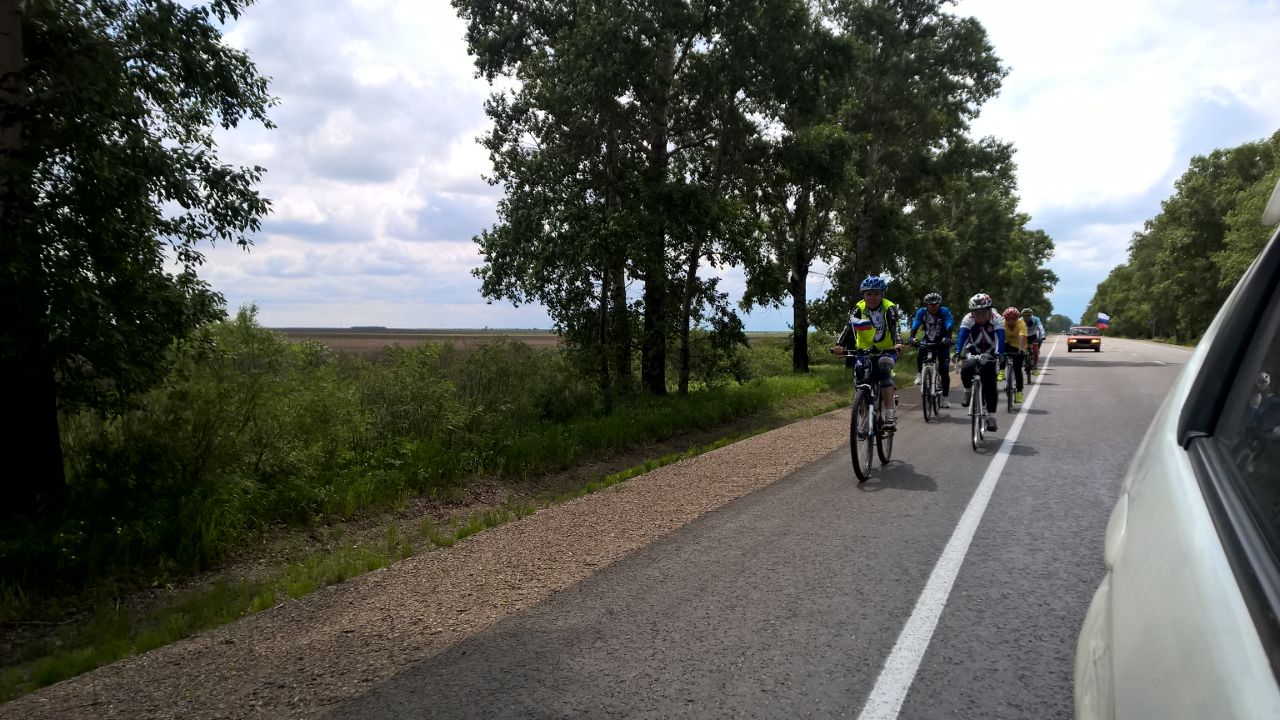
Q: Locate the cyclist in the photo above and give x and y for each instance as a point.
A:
(936, 322)
(1035, 336)
(1015, 335)
(874, 325)
(980, 333)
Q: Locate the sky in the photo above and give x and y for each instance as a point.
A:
(377, 181)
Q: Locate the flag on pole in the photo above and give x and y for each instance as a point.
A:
(1104, 320)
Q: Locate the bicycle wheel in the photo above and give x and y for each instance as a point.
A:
(926, 392)
(860, 435)
(1009, 384)
(975, 415)
(884, 443)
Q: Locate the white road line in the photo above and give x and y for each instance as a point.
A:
(1157, 362)
(899, 671)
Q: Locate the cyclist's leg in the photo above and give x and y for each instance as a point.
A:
(944, 370)
(886, 363)
(990, 390)
(1017, 370)
(966, 379)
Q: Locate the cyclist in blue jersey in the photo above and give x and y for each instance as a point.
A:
(981, 334)
(936, 322)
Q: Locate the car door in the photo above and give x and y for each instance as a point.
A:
(1184, 624)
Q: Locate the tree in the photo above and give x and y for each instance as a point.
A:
(635, 112)
(109, 176)
(1204, 237)
(924, 75)
(1058, 324)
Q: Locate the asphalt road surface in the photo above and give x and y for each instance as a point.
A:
(951, 585)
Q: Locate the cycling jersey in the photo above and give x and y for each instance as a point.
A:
(1016, 334)
(937, 328)
(872, 328)
(1035, 330)
(987, 337)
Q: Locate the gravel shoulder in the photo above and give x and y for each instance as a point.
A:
(301, 658)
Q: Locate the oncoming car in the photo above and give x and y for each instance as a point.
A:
(1084, 337)
(1186, 620)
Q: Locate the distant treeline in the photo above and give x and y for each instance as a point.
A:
(1186, 260)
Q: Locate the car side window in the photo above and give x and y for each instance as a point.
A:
(1248, 431)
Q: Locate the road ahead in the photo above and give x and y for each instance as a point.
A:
(789, 602)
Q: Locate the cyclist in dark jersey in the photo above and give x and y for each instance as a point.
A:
(936, 322)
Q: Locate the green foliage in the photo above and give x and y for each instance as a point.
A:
(250, 431)
(1057, 323)
(1204, 238)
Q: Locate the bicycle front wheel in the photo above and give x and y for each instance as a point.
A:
(860, 435)
(884, 444)
(975, 415)
(926, 393)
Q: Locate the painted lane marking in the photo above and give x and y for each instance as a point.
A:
(899, 671)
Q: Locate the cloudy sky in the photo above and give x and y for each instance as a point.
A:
(377, 185)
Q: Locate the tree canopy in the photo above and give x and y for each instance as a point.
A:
(111, 180)
(658, 143)
(1204, 238)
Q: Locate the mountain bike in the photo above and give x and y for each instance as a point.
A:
(1033, 361)
(931, 380)
(865, 428)
(977, 408)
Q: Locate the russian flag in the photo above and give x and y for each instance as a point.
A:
(860, 323)
(1104, 320)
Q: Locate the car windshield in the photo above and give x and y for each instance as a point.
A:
(1085, 331)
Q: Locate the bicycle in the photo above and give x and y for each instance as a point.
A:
(977, 408)
(865, 428)
(931, 382)
(1010, 375)
(1033, 362)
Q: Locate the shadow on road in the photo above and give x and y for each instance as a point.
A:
(898, 475)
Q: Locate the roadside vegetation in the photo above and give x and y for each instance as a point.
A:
(253, 437)
(1202, 241)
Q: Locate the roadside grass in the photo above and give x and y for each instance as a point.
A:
(114, 632)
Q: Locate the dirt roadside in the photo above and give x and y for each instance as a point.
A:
(301, 657)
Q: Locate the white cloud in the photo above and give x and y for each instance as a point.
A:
(376, 176)
(1099, 91)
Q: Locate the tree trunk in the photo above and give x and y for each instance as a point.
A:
(654, 348)
(686, 312)
(801, 227)
(621, 326)
(30, 446)
(606, 385)
(799, 310)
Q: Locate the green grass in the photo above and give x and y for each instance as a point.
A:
(113, 633)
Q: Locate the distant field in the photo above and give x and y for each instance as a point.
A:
(371, 341)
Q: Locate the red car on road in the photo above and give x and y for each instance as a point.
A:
(1084, 337)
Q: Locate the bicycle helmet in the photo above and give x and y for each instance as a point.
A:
(1028, 311)
(981, 301)
(1011, 314)
(873, 282)
(932, 299)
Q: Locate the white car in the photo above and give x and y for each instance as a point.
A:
(1186, 621)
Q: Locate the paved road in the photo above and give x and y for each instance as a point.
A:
(789, 602)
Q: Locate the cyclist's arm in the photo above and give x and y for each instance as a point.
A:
(895, 325)
(846, 335)
(961, 339)
(948, 321)
(916, 321)
(1000, 339)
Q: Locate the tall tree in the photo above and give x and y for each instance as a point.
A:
(924, 76)
(644, 72)
(110, 172)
